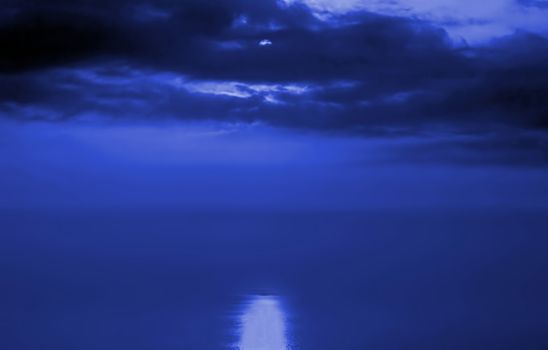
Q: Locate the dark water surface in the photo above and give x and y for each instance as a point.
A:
(264, 281)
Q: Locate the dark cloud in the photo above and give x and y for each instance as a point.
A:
(523, 150)
(534, 3)
(189, 37)
(35, 41)
(37, 34)
(358, 73)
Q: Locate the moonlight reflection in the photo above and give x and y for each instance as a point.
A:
(263, 325)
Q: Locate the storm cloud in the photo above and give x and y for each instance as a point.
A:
(354, 72)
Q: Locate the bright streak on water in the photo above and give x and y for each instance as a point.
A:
(263, 325)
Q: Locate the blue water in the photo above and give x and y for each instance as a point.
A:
(261, 281)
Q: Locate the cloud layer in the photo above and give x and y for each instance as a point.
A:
(352, 72)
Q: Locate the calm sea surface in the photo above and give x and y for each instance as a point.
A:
(273, 281)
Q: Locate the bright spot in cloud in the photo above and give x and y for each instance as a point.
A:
(239, 89)
(263, 325)
(265, 42)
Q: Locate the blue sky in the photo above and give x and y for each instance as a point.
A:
(295, 104)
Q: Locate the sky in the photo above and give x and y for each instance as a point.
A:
(294, 104)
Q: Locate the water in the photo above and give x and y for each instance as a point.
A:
(307, 281)
(263, 324)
